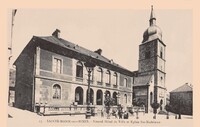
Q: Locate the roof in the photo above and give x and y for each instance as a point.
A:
(142, 80)
(184, 88)
(76, 48)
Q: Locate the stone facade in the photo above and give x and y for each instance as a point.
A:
(181, 100)
(37, 82)
(151, 64)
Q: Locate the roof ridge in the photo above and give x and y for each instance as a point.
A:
(81, 49)
(183, 88)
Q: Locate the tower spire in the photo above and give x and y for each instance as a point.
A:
(152, 20)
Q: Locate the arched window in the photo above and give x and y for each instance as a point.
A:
(125, 82)
(107, 93)
(114, 81)
(115, 98)
(161, 80)
(107, 97)
(91, 96)
(161, 52)
(99, 97)
(151, 98)
(56, 91)
(107, 77)
(79, 95)
(161, 103)
(99, 76)
(79, 70)
(125, 99)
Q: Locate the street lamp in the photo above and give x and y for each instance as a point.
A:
(89, 67)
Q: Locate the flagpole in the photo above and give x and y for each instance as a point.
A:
(11, 37)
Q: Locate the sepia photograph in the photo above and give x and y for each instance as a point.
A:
(100, 66)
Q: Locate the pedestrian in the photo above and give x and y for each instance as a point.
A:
(120, 112)
(102, 114)
(125, 115)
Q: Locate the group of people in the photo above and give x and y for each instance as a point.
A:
(119, 112)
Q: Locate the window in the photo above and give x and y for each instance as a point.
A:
(79, 95)
(125, 99)
(99, 75)
(147, 55)
(56, 91)
(107, 78)
(79, 70)
(91, 96)
(151, 98)
(161, 81)
(99, 97)
(115, 98)
(161, 52)
(57, 65)
(125, 82)
(114, 81)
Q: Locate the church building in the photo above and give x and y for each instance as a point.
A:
(149, 80)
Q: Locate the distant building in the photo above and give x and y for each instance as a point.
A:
(181, 99)
(11, 93)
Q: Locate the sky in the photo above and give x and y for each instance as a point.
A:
(118, 32)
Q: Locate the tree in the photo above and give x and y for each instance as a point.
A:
(155, 106)
(108, 103)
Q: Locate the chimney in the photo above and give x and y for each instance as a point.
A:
(56, 33)
(99, 51)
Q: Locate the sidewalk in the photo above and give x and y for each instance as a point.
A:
(19, 117)
(16, 113)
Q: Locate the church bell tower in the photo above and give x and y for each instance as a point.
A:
(152, 60)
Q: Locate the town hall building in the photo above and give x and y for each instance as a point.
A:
(51, 72)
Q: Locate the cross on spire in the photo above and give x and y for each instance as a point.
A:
(152, 20)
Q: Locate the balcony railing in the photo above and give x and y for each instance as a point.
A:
(108, 84)
(115, 86)
(79, 79)
(99, 83)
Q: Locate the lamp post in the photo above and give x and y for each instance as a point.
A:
(89, 67)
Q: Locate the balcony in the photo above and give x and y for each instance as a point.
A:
(79, 79)
(115, 86)
(108, 85)
(99, 83)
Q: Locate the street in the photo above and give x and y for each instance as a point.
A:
(23, 117)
